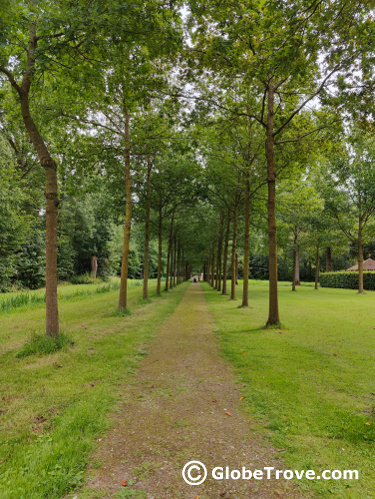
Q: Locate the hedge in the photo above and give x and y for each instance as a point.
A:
(347, 280)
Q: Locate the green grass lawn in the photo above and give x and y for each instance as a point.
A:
(311, 382)
(53, 408)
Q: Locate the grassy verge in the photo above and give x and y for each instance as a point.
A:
(54, 407)
(310, 384)
(27, 299)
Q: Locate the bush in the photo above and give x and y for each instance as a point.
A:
(44, 345)
(30, 268)
(347, 280)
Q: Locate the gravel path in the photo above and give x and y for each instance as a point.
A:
(177, 411)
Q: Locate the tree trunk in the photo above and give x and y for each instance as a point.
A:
(296, 271)
(174, 261)
(158, 285)
(52, 200)
(128, 215)
(52, 203)
(294, 262)
(360, 258)
(147, 229)
(220, 254)
(94, 266)
(234, 252)
(246, 256)
(213, 266)
(225, 258)
(178, 262)
(169, 256)
(171, 265)
(236, 268)
(273, 315)
(204, 273)
(328, 260)
(317, 267)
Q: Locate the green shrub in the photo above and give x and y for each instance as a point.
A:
(44, 345)
(347, 280)
(86, 278)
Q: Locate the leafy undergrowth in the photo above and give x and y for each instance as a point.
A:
(53, 408)
(310, 383)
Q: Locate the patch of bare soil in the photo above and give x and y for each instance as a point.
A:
(183, 406)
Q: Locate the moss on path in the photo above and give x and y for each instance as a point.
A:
(175, 412)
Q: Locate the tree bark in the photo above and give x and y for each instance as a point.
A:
(147, 229)
(328, 260)
(234, 253)
(225, 258)
(246, 256)
(360, 258)
(128, 216)
(317, 267)
(158, 285)
(273, 314)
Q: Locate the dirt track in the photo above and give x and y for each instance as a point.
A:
(175, 412)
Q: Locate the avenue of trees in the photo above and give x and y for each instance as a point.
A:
(159, 139)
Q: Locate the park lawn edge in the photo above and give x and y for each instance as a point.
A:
(305, 440)
(50, 443)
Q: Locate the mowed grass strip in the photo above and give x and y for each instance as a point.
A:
(310, 383)
(53, 408)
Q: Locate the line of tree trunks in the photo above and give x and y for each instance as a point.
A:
(128, 214)
(273, 313)
(246, 256)
(147, 229)
(234, 253)
(225, 257)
